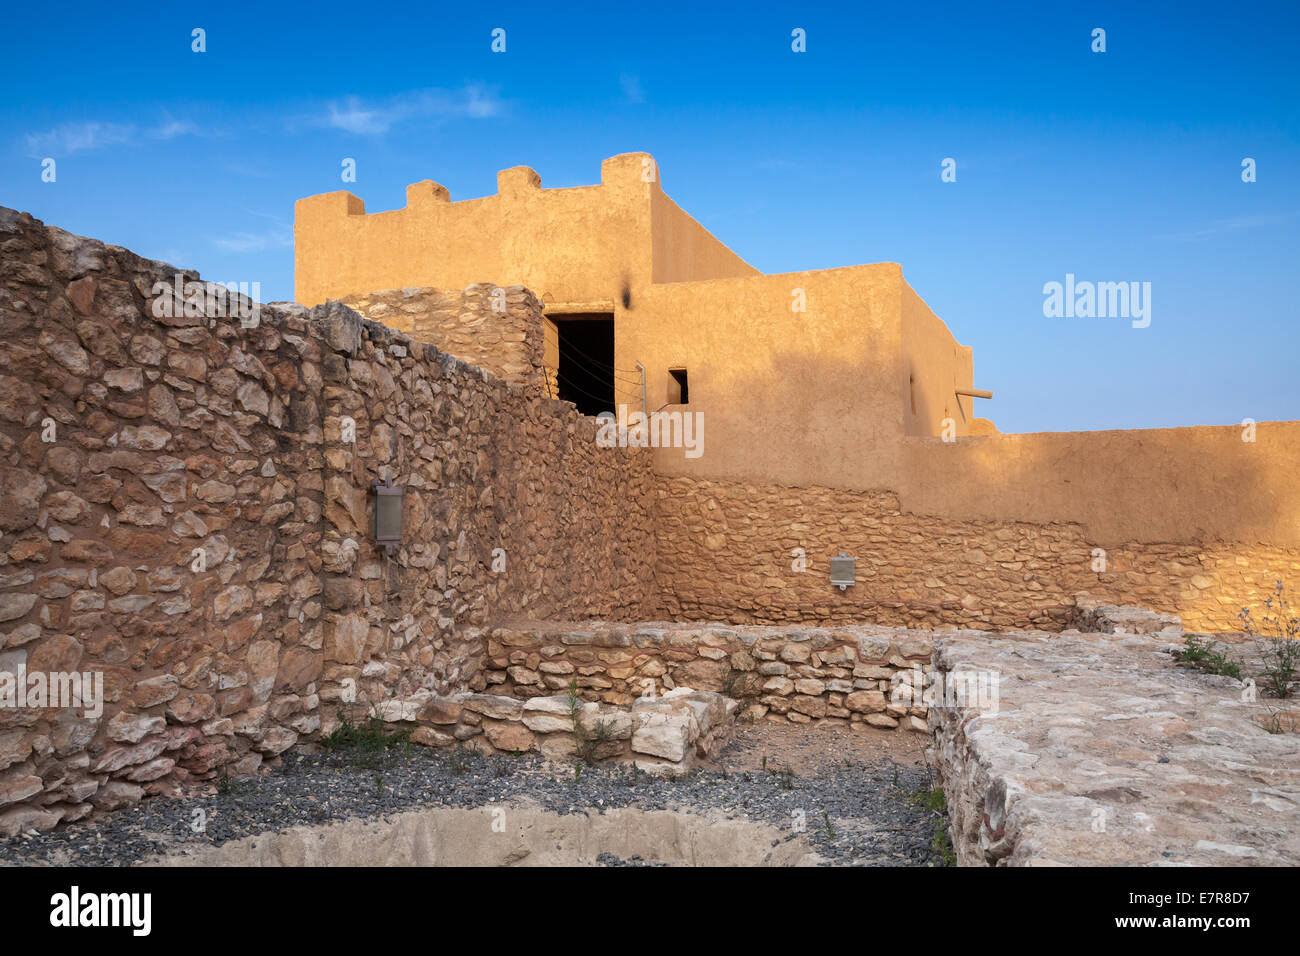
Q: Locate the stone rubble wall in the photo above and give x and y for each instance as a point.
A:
(1102, 751)
(725, 553)
(825, 676)
(198, 532)
(662, 735)
(507, 340)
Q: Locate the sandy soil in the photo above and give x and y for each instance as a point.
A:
(807, 753)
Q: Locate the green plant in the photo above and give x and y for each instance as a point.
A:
(930, 798)
(1219, 663)
(935, 803)
(367, 738)
(830, 830)
(1277, 634)
(1203, 655)
(1273, 722)
(1194, 650)
(364, 744)
(941, 845)
(586, 749)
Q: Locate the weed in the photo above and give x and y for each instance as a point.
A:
(1273, 722)
(941, 845)
(587, 750)
(1277, 634)
(931, 799)
(830, 830)
(1219, 663)
(1202, 654)
(1194, 650)
(368, 738)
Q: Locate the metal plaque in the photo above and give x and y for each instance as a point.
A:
(388, 514)
(843, 571)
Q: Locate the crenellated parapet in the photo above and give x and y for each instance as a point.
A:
(573, 244)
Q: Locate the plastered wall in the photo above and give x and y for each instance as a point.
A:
(836, 379)
(760, 554)
(573, 246)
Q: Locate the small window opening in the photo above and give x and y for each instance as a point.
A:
(678, 394)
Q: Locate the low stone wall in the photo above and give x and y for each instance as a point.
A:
(760, 554)
(661, 735)
(1099, 750)
(495, 328)
(846, 676)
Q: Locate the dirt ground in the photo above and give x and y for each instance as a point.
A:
(805, 752)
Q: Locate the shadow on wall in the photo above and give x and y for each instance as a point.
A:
(998, 529)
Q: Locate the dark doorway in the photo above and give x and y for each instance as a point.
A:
(586, 372)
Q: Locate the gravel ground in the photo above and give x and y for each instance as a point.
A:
(859, 809)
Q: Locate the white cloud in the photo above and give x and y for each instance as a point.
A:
(482, 103)
(353, 118)
(277, 237)
(376, 118)
(173, 128)
(91, 134)
(1221, 226)
(75, 137)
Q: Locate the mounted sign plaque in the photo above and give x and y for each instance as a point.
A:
(388, 514)
(843, 571)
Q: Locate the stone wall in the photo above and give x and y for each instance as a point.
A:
(182, 514)
(494, 328)
(727, 551)
(661, 735)
(1100, 750)
(185, 510)
(838, 676)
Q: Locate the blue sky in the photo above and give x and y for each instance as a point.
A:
(1115, 166)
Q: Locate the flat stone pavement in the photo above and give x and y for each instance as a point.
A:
(1104, 751)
